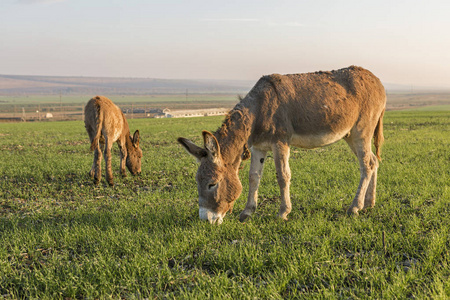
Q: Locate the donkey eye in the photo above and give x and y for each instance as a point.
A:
(211, 186)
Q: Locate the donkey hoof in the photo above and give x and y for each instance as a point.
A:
(243, 216)
(369, 205)
(352, 211)
(282, 216)
(111, 183)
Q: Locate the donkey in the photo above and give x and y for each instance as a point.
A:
(105, 123)
(305, 110)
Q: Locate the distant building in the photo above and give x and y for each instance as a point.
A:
(195, 113)
(161, 113)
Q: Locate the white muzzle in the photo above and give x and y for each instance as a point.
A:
(212, 217)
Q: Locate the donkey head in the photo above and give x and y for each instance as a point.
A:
(218, 183)
(134, 155)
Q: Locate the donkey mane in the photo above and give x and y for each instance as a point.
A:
(230, 119)
(235, 126)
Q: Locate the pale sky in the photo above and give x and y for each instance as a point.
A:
(402, 42)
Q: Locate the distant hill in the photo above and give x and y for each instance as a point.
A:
(17, 85)
(47, 85)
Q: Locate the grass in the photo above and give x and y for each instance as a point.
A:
(433, 108)
(62, 237)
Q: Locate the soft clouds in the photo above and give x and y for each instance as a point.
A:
(404, 42)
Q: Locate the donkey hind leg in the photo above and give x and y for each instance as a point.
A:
(91, 134)
(369, 198)
(281, 153)
(92, 170)
(254, 178)
(107, 152)
(368, 164)
(96, 170)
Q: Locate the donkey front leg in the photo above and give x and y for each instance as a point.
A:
(123, 158)
(281, 156)
(254, 178)
(109, 175)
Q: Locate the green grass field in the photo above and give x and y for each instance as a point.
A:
(433, 108)
(62, 237)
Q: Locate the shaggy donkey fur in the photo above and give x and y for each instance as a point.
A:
(304, 110)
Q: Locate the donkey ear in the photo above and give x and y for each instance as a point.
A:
(192, 148)
(136, 138)
(211, 144)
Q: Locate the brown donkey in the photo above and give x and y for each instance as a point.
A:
(106, 124)
(304, 110)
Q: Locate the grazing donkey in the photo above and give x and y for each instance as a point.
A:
(106, 124)
(304, 110)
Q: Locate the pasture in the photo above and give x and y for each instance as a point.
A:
(63, 237)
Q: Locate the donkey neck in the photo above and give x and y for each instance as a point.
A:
(128, 141)
(127, 134)
(234, 134)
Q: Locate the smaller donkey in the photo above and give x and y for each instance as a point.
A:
(105, 123)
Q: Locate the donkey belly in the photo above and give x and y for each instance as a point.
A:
(116, 135)
(315, 140)
(112, 130)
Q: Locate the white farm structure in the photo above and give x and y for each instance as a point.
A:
(195, 113)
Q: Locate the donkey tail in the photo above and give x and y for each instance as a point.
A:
(98, 127)
(378, 136)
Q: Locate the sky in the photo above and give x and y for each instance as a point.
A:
(402, 42)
